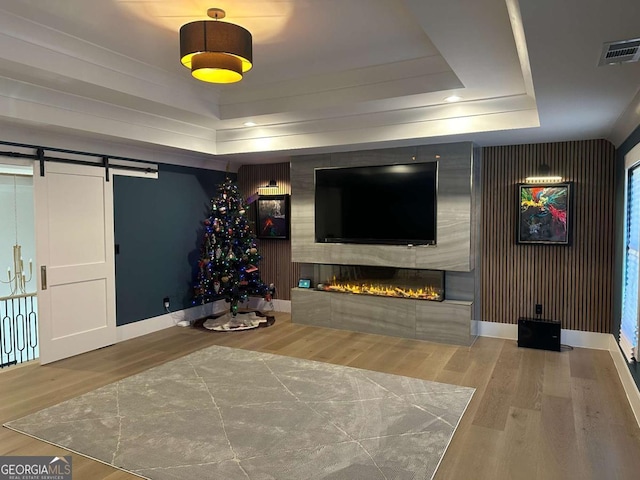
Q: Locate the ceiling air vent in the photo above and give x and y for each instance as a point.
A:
(624, 51)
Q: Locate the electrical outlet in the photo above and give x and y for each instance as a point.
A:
(538, 309)
(165, 302)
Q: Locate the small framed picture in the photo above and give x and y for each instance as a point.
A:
(272, 217)
(304, 283)
(544, 214)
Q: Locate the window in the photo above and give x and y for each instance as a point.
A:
(630, 323)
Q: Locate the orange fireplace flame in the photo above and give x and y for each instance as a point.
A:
(426, 293)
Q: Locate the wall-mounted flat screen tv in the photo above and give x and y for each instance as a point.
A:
(386, 204)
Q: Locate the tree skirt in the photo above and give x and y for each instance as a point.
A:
(242, 321)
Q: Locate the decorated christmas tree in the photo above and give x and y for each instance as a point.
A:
(228, 264)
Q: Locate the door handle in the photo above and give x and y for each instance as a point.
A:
(43, 277)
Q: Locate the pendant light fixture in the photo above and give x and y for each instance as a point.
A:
(215, 51)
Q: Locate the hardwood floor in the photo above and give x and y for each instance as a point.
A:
(535, 414)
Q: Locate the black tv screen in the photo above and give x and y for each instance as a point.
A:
(388, 204)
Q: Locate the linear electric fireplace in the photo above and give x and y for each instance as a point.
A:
(368, 274)
(381, 281)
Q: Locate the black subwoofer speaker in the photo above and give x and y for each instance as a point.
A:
(539, 333)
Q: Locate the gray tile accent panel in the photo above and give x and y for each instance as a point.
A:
(454, 250)
(384, 316)
(383, 156)
(445, 322)
(310, 307)
(303, 244)
(378, 255)
(476, 235)
(460, 286)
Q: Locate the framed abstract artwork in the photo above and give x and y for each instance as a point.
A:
(272, 216)
(544, 214)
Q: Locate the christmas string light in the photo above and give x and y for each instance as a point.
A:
(228, 249)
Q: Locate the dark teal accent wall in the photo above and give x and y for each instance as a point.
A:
(628, 144)
(158, 227)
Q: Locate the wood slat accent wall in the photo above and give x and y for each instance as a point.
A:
(276, 266)
(573, 283)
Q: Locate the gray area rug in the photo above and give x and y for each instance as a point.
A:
(224, 413)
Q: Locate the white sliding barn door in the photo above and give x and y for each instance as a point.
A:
(75, 253)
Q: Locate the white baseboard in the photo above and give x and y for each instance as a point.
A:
(150, 325)
(630, 387)
(575, 338)
(497, 330)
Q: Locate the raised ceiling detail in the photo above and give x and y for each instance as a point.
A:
(376, 72)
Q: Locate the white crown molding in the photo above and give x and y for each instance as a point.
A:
(388, 80)
(57, 79)
(340, 132)
(85, 115)
(67, 59)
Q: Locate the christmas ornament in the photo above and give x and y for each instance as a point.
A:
(226, 267)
